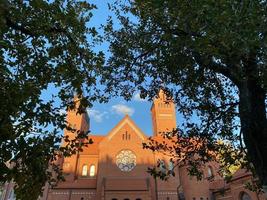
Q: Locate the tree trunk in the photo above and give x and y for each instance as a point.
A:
(252, 111)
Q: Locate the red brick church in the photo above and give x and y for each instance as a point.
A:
(115, 167)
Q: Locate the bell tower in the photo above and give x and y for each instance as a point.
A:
(163, 114)
(76, 121)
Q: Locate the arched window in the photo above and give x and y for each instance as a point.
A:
(210, 172)
(11, 195)
(244, 196)
(92, 170)
(171, 165)
(1, 192)
(84, 170)
(162, 166)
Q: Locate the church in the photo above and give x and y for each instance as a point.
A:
(115, 167)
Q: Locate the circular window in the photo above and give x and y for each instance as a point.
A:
(126, 160)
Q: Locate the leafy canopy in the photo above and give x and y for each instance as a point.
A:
(44, 48)
(210, 56)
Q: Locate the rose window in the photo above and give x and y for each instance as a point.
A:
(126, 160)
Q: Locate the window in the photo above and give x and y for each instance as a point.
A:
(210, 172)
(162, 166)
(92, 170)
(84, 170)
(11, 195)
(1, 192)
(244, 196)
(171, 165)
(126, 136)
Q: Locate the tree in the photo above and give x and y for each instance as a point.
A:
(209, 55)
(44, 48)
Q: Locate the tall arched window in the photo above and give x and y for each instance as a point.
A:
(84, 170)
(171, 165)
(11, 195)
(92, 170)
(162, 166)
(210, 172)
(244, 196)
(1, 192)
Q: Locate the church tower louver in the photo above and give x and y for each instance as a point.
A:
(163, 114)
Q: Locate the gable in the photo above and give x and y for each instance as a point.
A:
(119, 130)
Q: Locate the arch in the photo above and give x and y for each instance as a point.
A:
(210, 171)
(2, 191)
(92, 170)
(12, 195)
(84, 170)
(162, 166)
(171, 165)
(244, 196)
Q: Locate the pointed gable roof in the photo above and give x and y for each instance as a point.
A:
(130, 122)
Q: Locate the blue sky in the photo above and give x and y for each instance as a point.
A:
(103, 117)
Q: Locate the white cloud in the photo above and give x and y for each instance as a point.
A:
(122, 109)
(137, 97)
(97, 115)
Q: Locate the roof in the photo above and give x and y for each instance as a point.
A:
(125, 120)
(221, 184)
(240, 173)
(93, 149)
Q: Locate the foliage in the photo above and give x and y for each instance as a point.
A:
(210, 56)
(44, 48)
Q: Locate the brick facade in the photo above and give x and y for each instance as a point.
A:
(115, 167)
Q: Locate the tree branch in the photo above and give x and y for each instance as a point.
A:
(26, 31)
(209, 63)
(17, 27)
